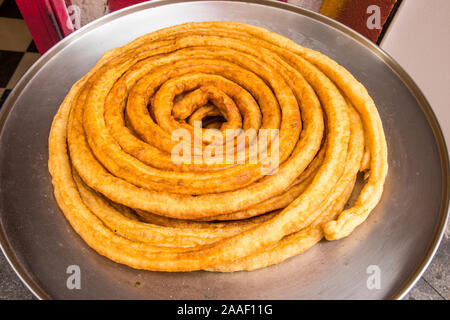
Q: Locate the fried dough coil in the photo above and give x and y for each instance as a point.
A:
(111, 150)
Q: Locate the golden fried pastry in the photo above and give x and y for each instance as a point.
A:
(113, 139)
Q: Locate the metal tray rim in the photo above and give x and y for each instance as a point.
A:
(36, 289)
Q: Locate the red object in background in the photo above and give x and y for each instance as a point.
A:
(47, 20)
(41, 22)
(51, 20)
(60, 12)
(355, 15)
(115, 5)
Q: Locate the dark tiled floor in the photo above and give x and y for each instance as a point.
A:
(10, 60)
(17, 49)
(9, 9)
(3, 95)
(18, 53)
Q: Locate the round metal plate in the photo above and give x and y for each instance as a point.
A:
(399, 238)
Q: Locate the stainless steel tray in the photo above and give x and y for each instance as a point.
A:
(400, 237)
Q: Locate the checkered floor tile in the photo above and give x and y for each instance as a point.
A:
(17, 49)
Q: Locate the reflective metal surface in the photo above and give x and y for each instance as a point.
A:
(400, 237)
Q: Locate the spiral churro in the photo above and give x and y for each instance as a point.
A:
(112, 150)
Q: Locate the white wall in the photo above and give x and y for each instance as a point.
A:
(419, 39)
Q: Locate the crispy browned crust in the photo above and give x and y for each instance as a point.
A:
(115, 182)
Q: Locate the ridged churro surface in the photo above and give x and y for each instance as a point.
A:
(180, 91)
